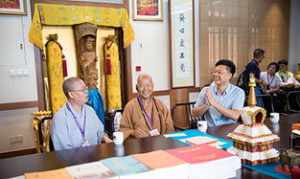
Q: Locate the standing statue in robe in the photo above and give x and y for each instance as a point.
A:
(88, 59)
(87, 63)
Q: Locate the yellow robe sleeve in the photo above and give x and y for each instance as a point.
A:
(126, 125)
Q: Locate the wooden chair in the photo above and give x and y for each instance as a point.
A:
(110, 123)
(264, 97)
(267, 98)
(188, 110)
(293, 101)
(41, 124)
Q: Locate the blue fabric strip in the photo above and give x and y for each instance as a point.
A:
(96, 102)
(268, 169)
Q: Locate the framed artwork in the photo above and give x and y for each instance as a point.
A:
(181, 14)
(13, 7)
(150, 10)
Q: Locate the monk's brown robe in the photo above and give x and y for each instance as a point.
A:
(133, 118)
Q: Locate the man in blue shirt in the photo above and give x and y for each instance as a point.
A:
(76, 124)
(220, 103)
(253, 67)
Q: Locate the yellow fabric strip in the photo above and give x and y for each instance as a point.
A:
(113, 81)
(57, 14)
(35, 32)
(55, 74)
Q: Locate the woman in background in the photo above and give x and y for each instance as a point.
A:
(271, 82)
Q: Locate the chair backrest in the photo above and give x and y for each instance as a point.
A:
(241, 82)
(293, 101)
(110, 124)
(188, 110)
(41, 126)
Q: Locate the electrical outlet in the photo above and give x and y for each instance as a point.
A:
(16, 140)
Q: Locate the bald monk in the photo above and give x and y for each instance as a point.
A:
(144, 115)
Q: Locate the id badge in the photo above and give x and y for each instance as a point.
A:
(154, 132)
(85, 143)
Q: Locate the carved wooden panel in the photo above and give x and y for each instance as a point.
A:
(232, 29)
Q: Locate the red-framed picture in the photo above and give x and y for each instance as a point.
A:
(13, 7)
(147, 10)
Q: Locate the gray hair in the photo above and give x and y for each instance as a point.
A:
(70, 84)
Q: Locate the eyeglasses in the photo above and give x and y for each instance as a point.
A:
(85, 90)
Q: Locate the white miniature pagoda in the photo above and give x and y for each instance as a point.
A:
(252, 140)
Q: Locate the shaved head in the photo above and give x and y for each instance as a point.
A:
(71, 84)
(143, 77)
(144, 86)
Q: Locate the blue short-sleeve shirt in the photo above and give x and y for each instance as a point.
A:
(232, 98)
(65, 133)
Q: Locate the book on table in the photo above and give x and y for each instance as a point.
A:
(91, 170)
(204, 159)
(197, 137)
(50, 174)
(163, 165)
(124, 165)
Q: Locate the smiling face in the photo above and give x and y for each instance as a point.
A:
(221, 75)
(145, 86)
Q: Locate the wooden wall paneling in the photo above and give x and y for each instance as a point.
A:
(233, 29)
(18, 105)
(179, 113)
(172, 104)
(204, 14)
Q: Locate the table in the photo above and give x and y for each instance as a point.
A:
(16, 166)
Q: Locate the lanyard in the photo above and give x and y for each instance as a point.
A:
(81, 129)
(271, 80)
(283, 77)
(148, 118)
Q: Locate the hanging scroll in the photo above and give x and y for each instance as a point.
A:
(181, 14)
